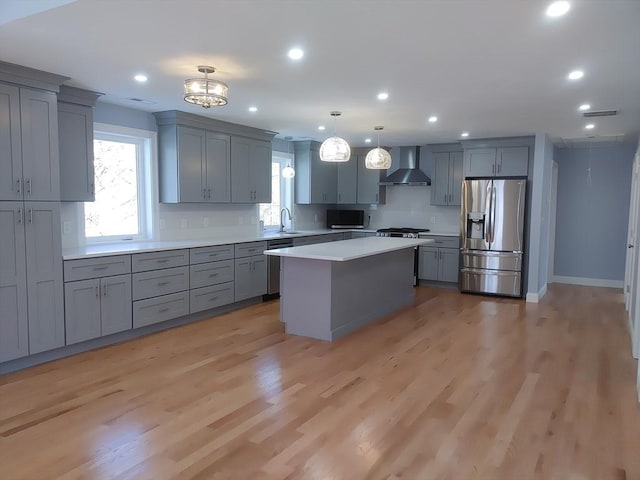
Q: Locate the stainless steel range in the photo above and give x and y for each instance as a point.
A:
(401, 232)
(404, 232)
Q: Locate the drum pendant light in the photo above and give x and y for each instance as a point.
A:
(378, 158)
(335, 149)
(288, 171)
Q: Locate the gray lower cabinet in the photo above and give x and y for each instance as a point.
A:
(211, 297)
(250, 277)
(160, 282)
(250, 170)
(75, 135)
(30, 167)
(439, 262)
(159, 309)
(496, 162)
(446, 181)
(205, 274)
(97, 307)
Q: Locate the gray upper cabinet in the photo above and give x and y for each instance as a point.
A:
(250, 170)
(29, 144)
(446, 181)
(194, 165)
(369, 190)
(347, 182)
(39, 133)
(10, 144)
(316, 181)
(205, 160)
(496, 162)
(75, 135)
(14, 334)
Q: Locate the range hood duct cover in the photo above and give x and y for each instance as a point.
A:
(409, 172)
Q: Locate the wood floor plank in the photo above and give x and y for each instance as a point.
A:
(452, 387)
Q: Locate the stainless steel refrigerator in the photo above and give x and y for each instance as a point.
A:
(491, 237)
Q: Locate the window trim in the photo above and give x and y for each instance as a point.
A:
(286, 188)
(145, 140)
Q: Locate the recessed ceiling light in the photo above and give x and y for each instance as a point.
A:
(253, 109)
(584, 106)
(140, 78)
(321, 127)
(367, 140)
(557, 9)
(296, 53)
(383, 96)
(590, 126)
(433, 119)
(464, 134)
(576, 75)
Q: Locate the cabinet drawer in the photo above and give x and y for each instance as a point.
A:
(210, 254)
(442, 242)
(160, 282)
(211, 297)
(212, 273)
(156, 310)
(250, 249)
(86, 268)
(142, 262)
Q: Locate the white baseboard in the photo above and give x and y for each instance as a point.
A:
(589, 282)
(536, 297)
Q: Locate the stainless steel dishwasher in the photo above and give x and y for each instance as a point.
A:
(273, 266)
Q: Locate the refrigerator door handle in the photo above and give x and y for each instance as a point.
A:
(488, 224)
(493, 213)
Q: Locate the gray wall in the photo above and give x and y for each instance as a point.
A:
(123, 116)
(592, 216)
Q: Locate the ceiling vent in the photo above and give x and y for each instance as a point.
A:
(600, 113)
(141, 100)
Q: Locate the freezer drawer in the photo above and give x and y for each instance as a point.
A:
(499, 282)
(492, 260)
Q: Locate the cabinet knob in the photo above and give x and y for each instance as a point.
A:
(28, 185)
(18, 186)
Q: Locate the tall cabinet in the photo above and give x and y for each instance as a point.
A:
(31, 298)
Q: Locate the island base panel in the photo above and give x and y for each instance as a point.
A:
(326, 300)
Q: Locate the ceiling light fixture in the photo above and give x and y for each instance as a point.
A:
(557, 9)
(288, 171)
(367, 140)
(335, 149)
(464, 134)
(253, 109)
(296, 53)
(322, 127)
(589, 126)
(205, 92)
(383, 96)
(576, 75)
(140, 78)
(584, 107)
(433, 119)
(378, 158)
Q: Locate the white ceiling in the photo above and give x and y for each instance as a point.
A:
(490, 67)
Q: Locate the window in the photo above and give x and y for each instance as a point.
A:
(281, 192)
(121, 160)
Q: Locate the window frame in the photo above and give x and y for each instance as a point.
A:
(145, 142)
(286, 189)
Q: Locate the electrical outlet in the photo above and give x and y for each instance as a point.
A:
(433, 219)
(66, 228)
(183, 223)
(205, 222)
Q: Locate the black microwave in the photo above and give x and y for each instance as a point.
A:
(345, 218)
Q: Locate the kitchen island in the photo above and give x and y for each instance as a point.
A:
(330, 289)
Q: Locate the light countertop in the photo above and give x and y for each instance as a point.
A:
(346, 250)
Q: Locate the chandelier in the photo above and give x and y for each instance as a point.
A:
(378, 158)
(205, 92)
(335, 149)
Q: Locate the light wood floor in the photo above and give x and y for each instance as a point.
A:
(457, 387)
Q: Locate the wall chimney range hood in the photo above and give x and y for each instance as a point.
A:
(409, 172)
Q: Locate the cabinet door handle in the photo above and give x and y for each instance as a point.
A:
(163, 260)
(204, 193)
(20, 216)
(28, 185)
(213, 299)
(499, 167)
(97, 291)
(209, 193)
(104, 290)
(18, 186)
(211, 275)
(92, 188)
(162, 284)
(162, 310)
(103, 267)
(493, 168)
(31, 215)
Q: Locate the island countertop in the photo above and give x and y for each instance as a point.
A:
(345, 250)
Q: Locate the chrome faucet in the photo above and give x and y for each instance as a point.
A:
(281, 220)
